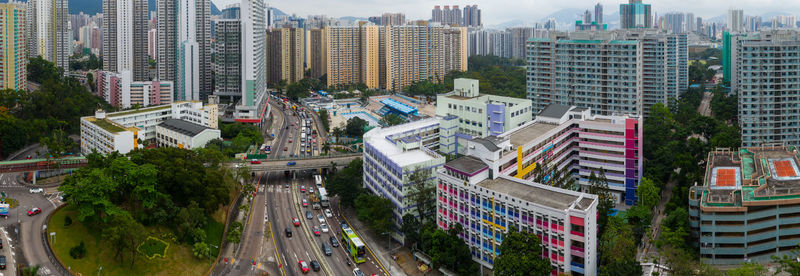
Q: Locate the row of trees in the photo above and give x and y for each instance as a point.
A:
(354, 128)
(85, 61)
(241, 136)
(48, 115)
(169, 188)
(497, 76)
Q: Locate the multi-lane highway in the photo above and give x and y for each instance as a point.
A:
(277, 203)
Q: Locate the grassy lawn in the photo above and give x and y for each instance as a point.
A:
(179, 259)
(214, 231)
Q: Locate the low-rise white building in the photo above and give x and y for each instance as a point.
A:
(104, 136)
(141, 123)
(184, 135)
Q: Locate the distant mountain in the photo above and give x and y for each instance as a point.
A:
(508, 24)
(89, 7)
(768, 16)
(215, 10)
(352, 18)
(277, 12)
(722, 18)
(765, 17)
(563, 16)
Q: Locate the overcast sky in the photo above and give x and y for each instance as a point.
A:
(499, 11)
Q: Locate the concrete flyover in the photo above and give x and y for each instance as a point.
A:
(306, 163)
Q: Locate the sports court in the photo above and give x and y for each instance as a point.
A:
(726, 178)
(783, 169)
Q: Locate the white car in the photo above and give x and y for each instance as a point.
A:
(328, 213)
(324, 228)
(357, 272)
(36, 190)
(321, 219)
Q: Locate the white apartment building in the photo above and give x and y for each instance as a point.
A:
(392, 154)
(478, 115)
(184, 135)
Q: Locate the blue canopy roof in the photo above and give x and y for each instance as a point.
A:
(400, 107)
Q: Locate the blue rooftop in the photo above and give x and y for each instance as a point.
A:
(398, 106)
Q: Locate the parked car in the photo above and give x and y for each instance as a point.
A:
(36, 190)
(303, 266)
(2, 262)
(334, 241)
(34, 211)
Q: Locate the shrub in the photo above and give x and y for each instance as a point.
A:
(153, 247)
(78, 251)
(67, 221)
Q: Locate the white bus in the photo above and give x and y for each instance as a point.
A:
(323, 198)
(318, 180)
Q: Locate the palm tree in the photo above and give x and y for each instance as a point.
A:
(326, 147)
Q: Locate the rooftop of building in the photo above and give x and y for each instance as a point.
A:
(139, 110)
(554, 111)
(489, 142)
(377, 138)
(766, 175)
(467, 165)
(529, 132)
(106, 124)
(538, 194)
(183, 127)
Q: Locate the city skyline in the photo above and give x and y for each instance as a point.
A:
(501, 11)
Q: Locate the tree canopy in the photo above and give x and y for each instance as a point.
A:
(53, 111)
(355, 127)
(521, 254)
(497, 76)
(347, 183)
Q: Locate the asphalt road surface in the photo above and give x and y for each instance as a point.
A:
(20, 231)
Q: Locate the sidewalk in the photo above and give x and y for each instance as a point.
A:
(376, 244)
(406, 261)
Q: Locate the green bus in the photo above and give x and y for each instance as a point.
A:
(354, 245)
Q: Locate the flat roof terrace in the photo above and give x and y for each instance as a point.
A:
(535, 193)
(530, 132)
(767, 175)
(781, 175)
